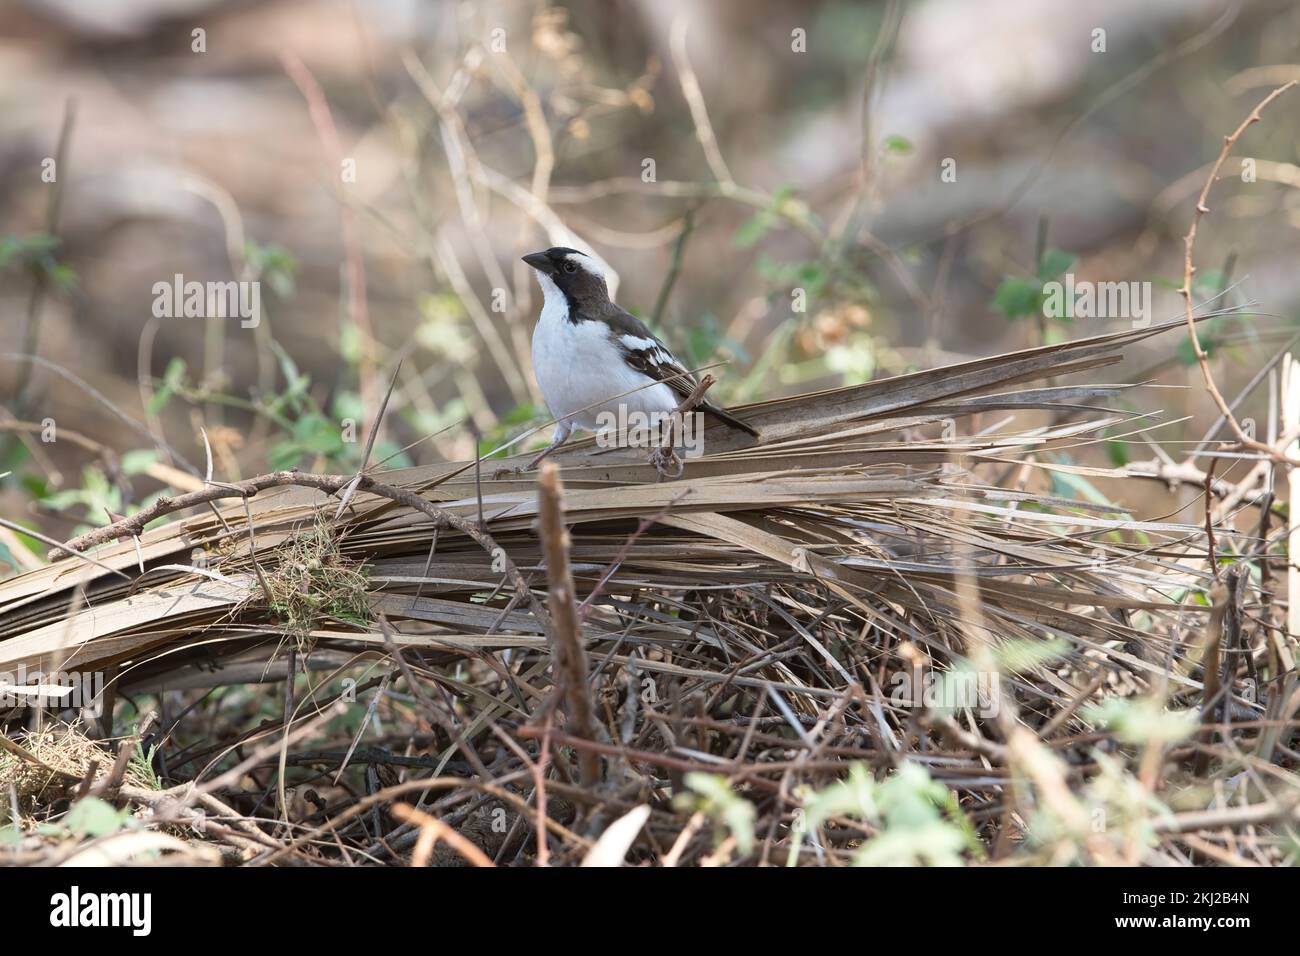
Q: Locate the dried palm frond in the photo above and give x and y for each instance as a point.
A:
(850, 492)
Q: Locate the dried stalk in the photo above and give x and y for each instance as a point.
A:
(569, 656)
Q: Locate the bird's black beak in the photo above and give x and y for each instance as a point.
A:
(541, 262)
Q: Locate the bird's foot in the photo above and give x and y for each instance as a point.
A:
(665, 461)
(520, 470)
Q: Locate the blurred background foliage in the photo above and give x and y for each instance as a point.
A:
(380, 165)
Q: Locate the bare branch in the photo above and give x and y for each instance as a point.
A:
(1189, 243)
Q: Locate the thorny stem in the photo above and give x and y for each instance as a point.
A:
(1189, 243)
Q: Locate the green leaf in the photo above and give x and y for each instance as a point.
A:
(63, 276)
(298, 382)
(753, 229)
(813, 276)
(1142, 720)
(855, 361)
(1017, 298)
(908, 809)
(386, 451)
(1211, 281)
(915, 831)
(274, 264)
(138, 460)
(284, 455)
(898, 144)
(443, 329)
(1055, 263)
(521, 414)
(60, 500)
(37, 249)
(1019, 656)
(854, 797)
(316, 434)
(347, 404)
(726, 808)
(1067, 485)
(92, 817)
(351, 342)
(173, 380)
(36, 486)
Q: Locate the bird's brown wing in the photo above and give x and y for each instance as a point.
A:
(643, 351)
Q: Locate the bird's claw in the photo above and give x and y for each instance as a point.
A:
(666, 462)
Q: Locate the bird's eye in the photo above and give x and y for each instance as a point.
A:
(570, 267)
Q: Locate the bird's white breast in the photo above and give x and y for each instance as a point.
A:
(577, 365)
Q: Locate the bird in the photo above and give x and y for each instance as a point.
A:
(590, 356)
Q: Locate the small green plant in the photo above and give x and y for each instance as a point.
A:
(326, 436)
(1020, 297)
(1141, 720)
(712, 795)
(1121, 814)
(918, 820)
(897, 144)
(37, 253)
(141, 765)
(273, 264)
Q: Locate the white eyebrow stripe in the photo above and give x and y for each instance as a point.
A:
(587, 263)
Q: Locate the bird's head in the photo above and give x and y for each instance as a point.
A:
(575, 275)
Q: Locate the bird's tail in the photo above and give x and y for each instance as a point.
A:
(724, 416)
